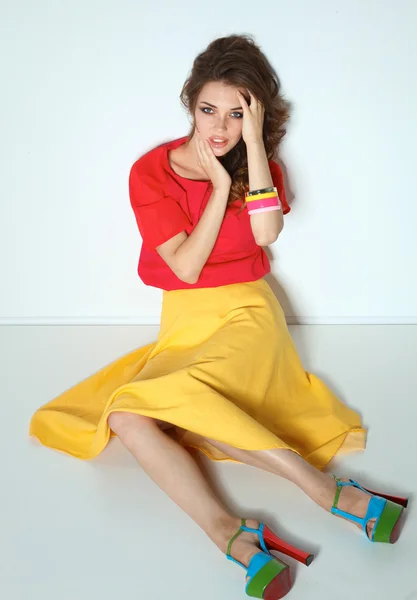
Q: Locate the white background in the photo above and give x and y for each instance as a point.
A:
(89, 86)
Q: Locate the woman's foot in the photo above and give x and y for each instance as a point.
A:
(246, 545)
(354, 501)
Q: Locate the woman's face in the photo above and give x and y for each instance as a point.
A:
(219, 116)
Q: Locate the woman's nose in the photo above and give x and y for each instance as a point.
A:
(221, 124)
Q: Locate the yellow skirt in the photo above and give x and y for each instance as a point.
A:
(224, 367)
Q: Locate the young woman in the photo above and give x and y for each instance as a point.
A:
(223, 376)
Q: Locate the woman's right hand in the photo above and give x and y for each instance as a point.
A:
(211, 166)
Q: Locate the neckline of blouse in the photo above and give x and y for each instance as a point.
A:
(171, 146)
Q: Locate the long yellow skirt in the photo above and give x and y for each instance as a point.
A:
(224, 367)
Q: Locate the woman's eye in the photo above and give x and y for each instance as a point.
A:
(239, 114)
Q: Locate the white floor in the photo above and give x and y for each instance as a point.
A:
(100, 529)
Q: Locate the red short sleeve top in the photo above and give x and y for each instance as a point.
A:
(164, 204)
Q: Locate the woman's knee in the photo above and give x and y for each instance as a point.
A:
(124, 423)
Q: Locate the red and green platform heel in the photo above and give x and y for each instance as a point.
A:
(269, 578)
(385, 509)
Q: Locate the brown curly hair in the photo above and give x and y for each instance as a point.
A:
(237, 60)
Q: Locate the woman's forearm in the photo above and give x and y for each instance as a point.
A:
(193, 253)
(266, 226)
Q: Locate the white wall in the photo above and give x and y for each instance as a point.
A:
(89, 86)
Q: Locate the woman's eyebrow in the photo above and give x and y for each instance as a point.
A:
(213, 106)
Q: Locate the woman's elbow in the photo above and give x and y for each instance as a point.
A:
(187, 275)
(267, 238)
(191, 280)
(265, 241)
(268, 233)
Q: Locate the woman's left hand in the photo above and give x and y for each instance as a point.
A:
(253, 119)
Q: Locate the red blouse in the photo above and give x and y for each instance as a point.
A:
(165, 204)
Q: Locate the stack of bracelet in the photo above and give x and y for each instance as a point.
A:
(263, 200)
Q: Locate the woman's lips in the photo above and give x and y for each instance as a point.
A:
(217, 144)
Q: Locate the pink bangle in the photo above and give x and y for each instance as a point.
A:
(260, 210)
(264, 203)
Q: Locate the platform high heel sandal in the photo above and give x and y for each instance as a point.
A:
(269, 578)
(385, 509)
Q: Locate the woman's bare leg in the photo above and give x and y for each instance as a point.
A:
(174, 470)
(317, 485)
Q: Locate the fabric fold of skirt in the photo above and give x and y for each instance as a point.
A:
(224, 367)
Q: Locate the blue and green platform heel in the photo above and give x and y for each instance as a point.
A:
(385, 509)
(269, 578)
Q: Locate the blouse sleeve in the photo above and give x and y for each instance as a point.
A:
(278, 180)
(159, 217)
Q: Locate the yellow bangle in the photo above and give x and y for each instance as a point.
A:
(261, 196)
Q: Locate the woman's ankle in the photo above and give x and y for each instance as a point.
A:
(323, 493)
(226, 528)
(245, 545)
(221, 529)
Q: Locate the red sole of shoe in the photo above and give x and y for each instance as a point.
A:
(279, 587)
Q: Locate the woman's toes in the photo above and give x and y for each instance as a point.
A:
(370, 527)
